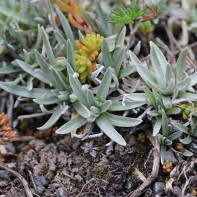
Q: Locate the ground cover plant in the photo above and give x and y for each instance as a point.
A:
(98, 94)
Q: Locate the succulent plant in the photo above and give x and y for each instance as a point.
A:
(146, 28)
(75, 14)
(186, 109)
(85, 57)
(167, 166)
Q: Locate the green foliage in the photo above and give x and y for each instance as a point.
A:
(126, 15)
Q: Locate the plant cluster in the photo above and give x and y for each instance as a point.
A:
(75, 79)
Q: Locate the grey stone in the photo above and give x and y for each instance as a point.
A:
(40, 189)
(169, 156)
(4, 175)
(159, 188)
(176, 191)
(64, 148)
(40, 181)
(10, 148)
(62, 192)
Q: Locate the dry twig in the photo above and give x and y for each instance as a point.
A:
(23, 181)
(154, 173)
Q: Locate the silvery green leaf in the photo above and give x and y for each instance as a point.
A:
(126, 71)
(186, 140)
(69, 69)
(158, 61)
(71, 55)
(150, 96)
(153, 113)
(104, 86)
(61, 41)
(80, 35)
(58, 79)
(187, 95)
(118, 60)
(76, 87)
(107, 59)
(168, 74)
(121, 37)
(187, 153)
(64, 97)
(193, 78)
(45, 68)
(180, 65)
(183, 85)
(66, 27)
(169, 90)
(144, 73)
(167, 102)
(111, 40)
(118, 106)
(48, 48)
(72, 125)
(91, 99)
(109, 130)
(163, 152)
(102, 16)
(73, 98)
(39, 39)
(158, 102)
(94, 110)
(15, 16)
(100, 28)
(81, 109)
(9, 70)
(136, 97)
(28, 69)
(164, 123)
(156, 87)
(157, 127)
(181, 127)
(194, 113)
(22, 90)
(46, 100)
(121, 121)
(174, 135)
(172, 111)
(105, 106)
(30, 83)
(53, 119)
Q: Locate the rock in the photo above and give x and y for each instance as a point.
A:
(62, 192)
(169, 156)
(4, 175)
(193, 147)
(40, 189)
(64, 148)
(10, 148)
(40, 181)
(11, 165)
(159, 188)
(176, 191)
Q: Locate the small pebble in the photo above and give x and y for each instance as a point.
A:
(176, 191)
(10, 148)
(40, 181)
(62, 192)
(40, 189)
(159, 188)
(64, 148)
(4, 175)
(169, 156)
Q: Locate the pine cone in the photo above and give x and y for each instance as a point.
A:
(6, 132)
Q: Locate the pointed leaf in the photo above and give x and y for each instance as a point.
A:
(121, 121)
(181, 127)
(164, 123)
(157, 127)
(48, 48)
(181, 63)
(53, 119)
(109, 130)
(71, 55)
(186, 140)
(104, 86)
(107, 55)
